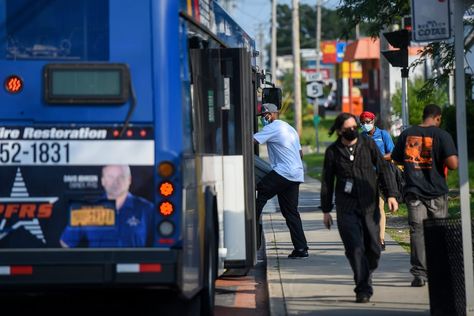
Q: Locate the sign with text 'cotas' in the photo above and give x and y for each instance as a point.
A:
(431, 20)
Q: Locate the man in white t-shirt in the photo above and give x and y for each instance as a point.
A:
(284, 152)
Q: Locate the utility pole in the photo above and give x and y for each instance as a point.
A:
(405, 116)
(318, 39)
(274, 40)
(316, 118)
(297, 66)
(260, 45)
(385, 105)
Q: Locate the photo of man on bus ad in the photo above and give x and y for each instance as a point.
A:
(82, 207)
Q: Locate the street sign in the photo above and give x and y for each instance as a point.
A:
(314, 89)
(316, 120)
(313, 76)
(431, 20)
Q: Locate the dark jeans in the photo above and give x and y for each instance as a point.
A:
(419, 209)
(360, 235)
(287, 191)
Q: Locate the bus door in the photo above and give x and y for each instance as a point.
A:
(228, 120)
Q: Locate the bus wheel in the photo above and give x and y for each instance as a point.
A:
(210, 258)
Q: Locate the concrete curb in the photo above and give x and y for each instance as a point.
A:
(275, 286)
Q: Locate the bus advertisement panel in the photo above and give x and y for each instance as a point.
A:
(98, 191)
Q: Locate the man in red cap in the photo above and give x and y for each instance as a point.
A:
(385, 144)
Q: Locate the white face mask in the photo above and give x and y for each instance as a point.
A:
(367, 127)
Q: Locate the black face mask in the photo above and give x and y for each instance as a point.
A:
(350, 135)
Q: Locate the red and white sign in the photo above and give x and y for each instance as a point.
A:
(329, 50)
(312, 75)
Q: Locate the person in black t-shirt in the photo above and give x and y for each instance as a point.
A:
(425, 151)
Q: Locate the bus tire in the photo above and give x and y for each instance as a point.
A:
(210, 256)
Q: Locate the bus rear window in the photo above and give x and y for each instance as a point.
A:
(54, 29)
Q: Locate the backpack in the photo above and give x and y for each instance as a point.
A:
(400, 179)
(397, 173)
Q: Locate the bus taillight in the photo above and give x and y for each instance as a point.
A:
(166, 228)
(166, 188)
(166, 208)
(165, 169)
(13, 84)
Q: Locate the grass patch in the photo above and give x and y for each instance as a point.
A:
(401, 233)
(453, 176)
(314, 165)
(308, 135)
(454, 207)
(314, 161)
(401, 236)
(397, 226)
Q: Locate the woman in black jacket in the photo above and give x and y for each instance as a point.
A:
(356, 164)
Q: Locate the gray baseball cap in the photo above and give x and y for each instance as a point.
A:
(268, 108)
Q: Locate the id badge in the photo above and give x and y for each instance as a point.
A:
(348, 186)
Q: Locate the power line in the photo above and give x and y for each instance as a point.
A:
(248, 14)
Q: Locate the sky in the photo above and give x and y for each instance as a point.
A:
(255, 14)
(251, 13)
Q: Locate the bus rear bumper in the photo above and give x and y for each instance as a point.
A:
(97, 267)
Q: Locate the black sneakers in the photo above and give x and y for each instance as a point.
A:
(362, 298)
(382, 245)
(298, 253)
(418, 282)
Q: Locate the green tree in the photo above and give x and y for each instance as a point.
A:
(449, 124)
(416, 105)
(283, 30)
(377, 14)
(288, 97)
(381, 15)
(331, 27)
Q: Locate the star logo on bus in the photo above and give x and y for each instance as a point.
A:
(28, 210)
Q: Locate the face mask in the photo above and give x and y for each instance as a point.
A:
(350, 135)
(264, 121)
(367, 127)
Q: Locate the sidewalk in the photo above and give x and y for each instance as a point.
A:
(323, 283)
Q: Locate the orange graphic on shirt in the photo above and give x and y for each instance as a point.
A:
(418, 151)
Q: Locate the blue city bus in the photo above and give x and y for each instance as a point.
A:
(126, 156)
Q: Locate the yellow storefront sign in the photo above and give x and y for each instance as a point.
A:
(355, 73)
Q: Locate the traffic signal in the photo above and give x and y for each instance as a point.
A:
(401, 40)
(406, 23)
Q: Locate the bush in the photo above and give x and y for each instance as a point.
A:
(449, 124)
(416, 105)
